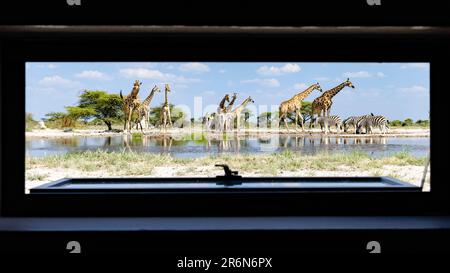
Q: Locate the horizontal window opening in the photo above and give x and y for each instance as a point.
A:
(142, 184)
(149, 126)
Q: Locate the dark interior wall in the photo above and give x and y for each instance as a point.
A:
(236, 13)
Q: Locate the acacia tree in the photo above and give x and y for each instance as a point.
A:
(98, 104)
(60, 119)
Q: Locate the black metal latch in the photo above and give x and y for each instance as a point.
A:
(230, 178)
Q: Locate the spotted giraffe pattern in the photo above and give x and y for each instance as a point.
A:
(130, 103)
(143, 109)
(294, 105)
(323, 103)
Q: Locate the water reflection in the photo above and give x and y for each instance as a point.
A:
(201, 145)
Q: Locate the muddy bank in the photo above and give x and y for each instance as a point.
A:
(54, 133)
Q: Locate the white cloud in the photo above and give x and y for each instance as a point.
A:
(145, 73)
(301, 86)
(415, 65)
(279, 70)
(415, 89)
(359, 74)
(139, 64)
(222, 71)
(168, 66)
(194, 67)
(56, 81)
(362, 74)
(263, 82)
(92, 74)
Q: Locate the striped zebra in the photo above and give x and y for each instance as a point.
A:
(353, 120)
(327, 122)
(372, 121)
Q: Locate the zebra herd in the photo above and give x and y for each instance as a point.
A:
(360, 124)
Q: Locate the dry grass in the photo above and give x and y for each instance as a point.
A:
(133, 163)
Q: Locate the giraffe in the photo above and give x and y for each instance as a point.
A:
(228, 116)
(210, 121)
(324, 102)
(294, 105)
(230, 105)
(236, 113)
(130, 103)
(143, 110)
(221, 109)
(165, 109)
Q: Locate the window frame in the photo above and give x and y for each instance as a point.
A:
(400, 44)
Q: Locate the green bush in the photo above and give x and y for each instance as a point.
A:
(424, 123)
(395, 122)
(408, 122)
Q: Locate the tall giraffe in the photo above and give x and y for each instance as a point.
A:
(236, 113)
(143, 109)
(294, 105)
(324, 102)
(130, 103)
(227, 116)
(219, 118)
(165, 110)
(230, 105)
(222, 108)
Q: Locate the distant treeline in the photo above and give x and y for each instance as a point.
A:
(96, 108)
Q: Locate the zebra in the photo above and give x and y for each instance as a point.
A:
(327, 122)
(353, 120)
(372, 121)
(209, 120)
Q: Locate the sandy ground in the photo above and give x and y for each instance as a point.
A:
(411, 174)
(55, 133)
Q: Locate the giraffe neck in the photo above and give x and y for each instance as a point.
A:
(242, 106)
(332, 92)
(134, 92)
(166, 99)
(222, 103)
(230, 105)
(304, 94)
(149, 98)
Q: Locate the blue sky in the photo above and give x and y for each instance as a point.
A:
(395, 90)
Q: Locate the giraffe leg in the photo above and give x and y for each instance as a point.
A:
(285, 124)
(238, 124)
(130, 114)
(296, 121)
(170, 118)
(301, 121)
(140, 124)
(283, 117)
(125, 123)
